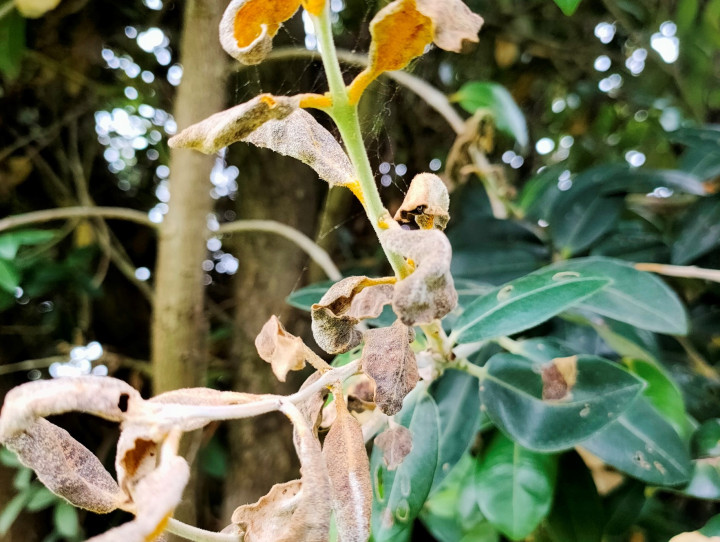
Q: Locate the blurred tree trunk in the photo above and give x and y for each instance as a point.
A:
(278, 188)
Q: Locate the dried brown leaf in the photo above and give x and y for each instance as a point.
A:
(453, 23)
(388, 359)
(429, 292)
(337, 313)
(558, 378)
(396, 443)
(312, 407)
(300, 136)
(267, 518)
(283, 351)
(349, 471)
(66, 467)
(426, 203)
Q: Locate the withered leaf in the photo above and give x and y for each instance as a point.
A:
(453, 23)
(429, 292)
(337, 313)
(396, 443)
(349, 471)
(234, 124)
(283, 351)
(426, 203)
(388, 359)
(267, 518)
(248, 27)
(558, 378)
(312, 407)
(66, 467)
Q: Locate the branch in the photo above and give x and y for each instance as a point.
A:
(189, 532)
(685, 271)
(48, 215)
(316, 252)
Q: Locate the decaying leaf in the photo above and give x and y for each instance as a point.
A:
(300, 136)
(32, 9)
(388, 359)
(395, 443)
(694, 536)
(312, 407)
(403, 29)
(234, 124)
(66, 467)
(429, 292)
(361, 393)
(349, 471)
(558, 378)
(284, 351)
(342, 307)
(426, 203)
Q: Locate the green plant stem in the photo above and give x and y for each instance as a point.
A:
(462, 364)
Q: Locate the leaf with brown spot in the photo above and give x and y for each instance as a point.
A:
(396, 443)
(428, 292)
(283, 351)
(426, 203)
(558, 378)
(388, 359)
(349, 471)
(453, 23)
(234, 124)
(337, 313)
(66, 467)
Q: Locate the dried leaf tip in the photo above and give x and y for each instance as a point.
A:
(426, 203)
(282, 350)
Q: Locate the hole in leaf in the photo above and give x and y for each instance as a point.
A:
(123, 402)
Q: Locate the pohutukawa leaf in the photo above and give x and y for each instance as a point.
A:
(396, 444)
(426, 203)
(284, 351)
(342, 307)
(388, 359)
(349, 471)
(429, 292)
(234, 124)
(66, 467)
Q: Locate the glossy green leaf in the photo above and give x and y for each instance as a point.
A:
(514, 487)
(623, 506)
(9, 276)
(577, 512)
(642, 444)
(699, 231)
(511, 394)
(525, 303)
(568, 7)
(12, 37)
(706, 439)
(508, 116)
(304, 298)
(399, 495)
(578, 222)
(458, 402)
(635, 297)
(626, 340)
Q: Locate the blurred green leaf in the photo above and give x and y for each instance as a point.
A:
(304, 298)
(524, 303)
(41, 498)
(623, 506)
(9, 459)
(9, 276)
(213, 459)
(699, 231)
(12, 510)
(514, 487)
(508, 116)
(712, 527)
(12, 36)
(511, 394)
(399, 495)
(642, 444)
(22, 478)
(704, 480)
(706, 439)
(579, 222)
(65, 518)
(568, 7)
(11, 242)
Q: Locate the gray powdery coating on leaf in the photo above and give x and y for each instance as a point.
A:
(396, 444)
(282, 350)
(426, 203)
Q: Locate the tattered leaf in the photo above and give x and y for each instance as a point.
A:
(395, 443)
(388, 359)
(426, 203)
(428, 292)
(284, 351)
(349, 470)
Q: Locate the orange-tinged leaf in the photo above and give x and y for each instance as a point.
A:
(315, 7)
(248, 26)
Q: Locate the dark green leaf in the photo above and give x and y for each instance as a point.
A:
(626, 340)
(635, 297)
(623, 506)
(9, 276)
(213, 459)
(514, 487)
(305, 297)
(399, 495)
(706, 440)
(699, 231)
(524, 303)
(512, 396)
(642, 444)
(12, 37)
(712, 527)
(568, 7)
(578, 222)
(508, 117)
(577, 513)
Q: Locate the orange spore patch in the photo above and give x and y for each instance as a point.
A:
(400, 37)
(268, 100)
(356, 189)
(255, 13)
(314, 7)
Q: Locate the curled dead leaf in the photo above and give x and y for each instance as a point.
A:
(453, 23)
(283, 351)
(342, 307)
(558, 378)
(349, 472)
(388, 359)
(234, 124)
(395, 443)
(426, 203)
(429, 291)
(66, 467)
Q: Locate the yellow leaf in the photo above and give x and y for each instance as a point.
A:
(32, 9)
(314, 7)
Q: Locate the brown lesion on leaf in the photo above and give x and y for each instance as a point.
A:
(395, 443)
(426, 203)
(558, 378)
